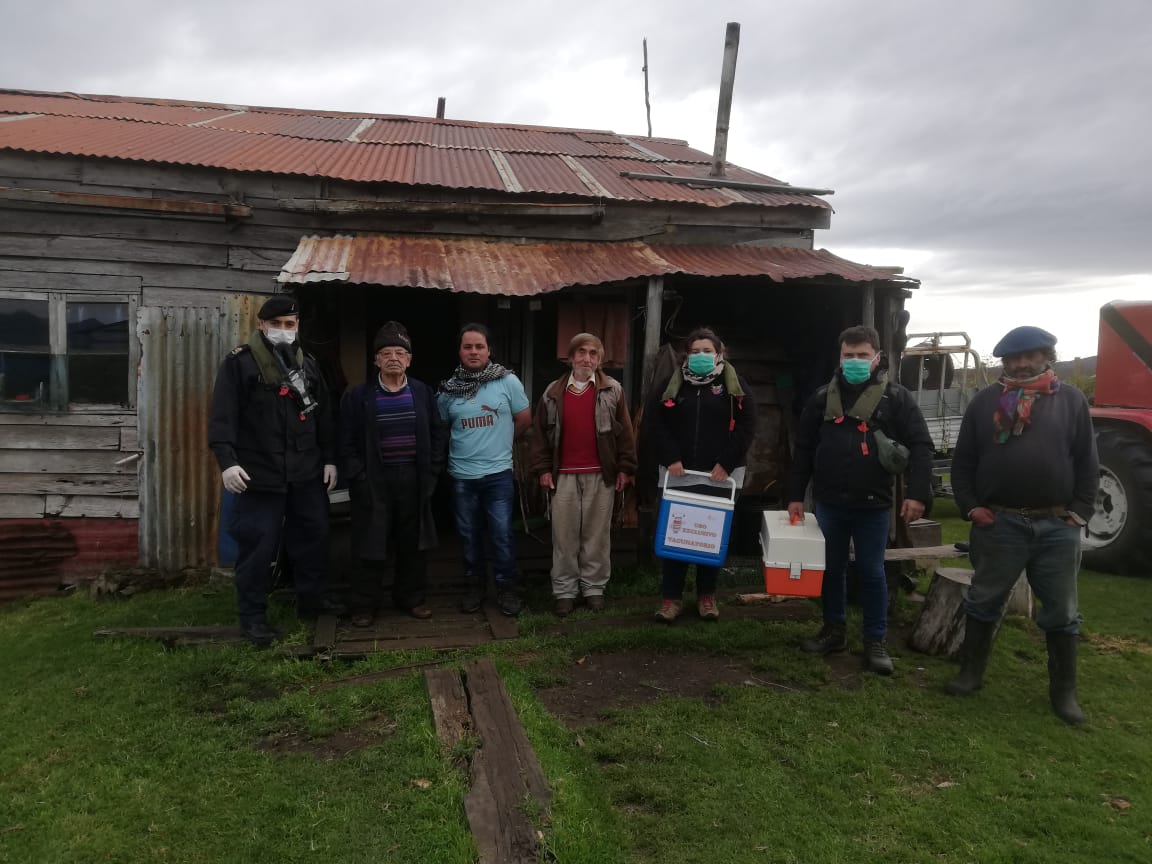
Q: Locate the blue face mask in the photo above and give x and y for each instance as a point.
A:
(856, 371)
(701, 364)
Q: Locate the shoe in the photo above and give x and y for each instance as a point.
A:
(669, 611)
(974, 654)
(510, 603)
(706, 607)
(472, 601)
(564, 606)
(362, 619)
(421, 612)
(876, 658)
(831, 639)
(1062, 677)
(594, 602)
(259, 632)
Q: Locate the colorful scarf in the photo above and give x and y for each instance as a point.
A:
(464, 383)
(1014, 411)
(700, 380)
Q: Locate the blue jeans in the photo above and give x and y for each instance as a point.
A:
(490, 497)
(868, 531)
(1048, 549)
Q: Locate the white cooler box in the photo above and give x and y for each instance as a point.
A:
(793, 555)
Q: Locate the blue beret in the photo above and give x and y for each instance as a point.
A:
(275, 307)
(1022, 340)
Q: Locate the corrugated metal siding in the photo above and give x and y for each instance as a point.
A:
(181, 350)
(477, 266)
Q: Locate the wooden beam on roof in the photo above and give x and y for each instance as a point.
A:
(778, 188)
(127, 202)
(327, 206)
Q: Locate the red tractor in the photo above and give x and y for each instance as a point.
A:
(1119, 537)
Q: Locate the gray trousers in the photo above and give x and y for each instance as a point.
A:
(581, 535)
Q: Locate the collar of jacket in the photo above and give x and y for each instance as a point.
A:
(731, 383)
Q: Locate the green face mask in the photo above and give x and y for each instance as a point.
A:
(701, 364)
(856, 371)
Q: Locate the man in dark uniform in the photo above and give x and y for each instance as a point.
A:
(272, 433)
(1025, 473)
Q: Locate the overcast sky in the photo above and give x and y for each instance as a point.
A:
(997, 149)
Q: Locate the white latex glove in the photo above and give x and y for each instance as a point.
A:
(330, 477)
(235, 479)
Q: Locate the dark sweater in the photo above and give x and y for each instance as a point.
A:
(1052, 464)
(842, 473)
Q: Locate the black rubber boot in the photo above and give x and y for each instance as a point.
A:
(1062, 677)
(830, 639)
(978, 636)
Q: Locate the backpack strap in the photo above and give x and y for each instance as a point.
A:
(864, 407)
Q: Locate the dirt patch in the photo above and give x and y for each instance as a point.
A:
(339, 745)
(1117, 644)
(600, 682)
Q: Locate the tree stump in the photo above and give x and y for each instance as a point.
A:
(1021, 601)
(940, 627)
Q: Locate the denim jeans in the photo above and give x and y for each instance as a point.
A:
(1048, 549)
(674, 573)
(868, 532)
(486, 503)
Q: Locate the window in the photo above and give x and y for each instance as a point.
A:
(61, 351)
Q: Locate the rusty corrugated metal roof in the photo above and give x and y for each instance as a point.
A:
(455, 154)
(478, 266)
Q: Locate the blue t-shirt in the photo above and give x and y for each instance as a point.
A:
(482, 427)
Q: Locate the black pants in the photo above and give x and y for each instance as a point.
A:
(409, 585)
(257, 523)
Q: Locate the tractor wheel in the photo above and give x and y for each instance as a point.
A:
(1119, 538)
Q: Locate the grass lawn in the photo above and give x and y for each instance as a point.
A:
(120, 751)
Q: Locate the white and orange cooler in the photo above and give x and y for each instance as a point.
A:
(793, 555)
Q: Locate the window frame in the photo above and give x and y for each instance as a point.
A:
(59, 401)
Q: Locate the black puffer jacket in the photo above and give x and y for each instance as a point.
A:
(846, 474)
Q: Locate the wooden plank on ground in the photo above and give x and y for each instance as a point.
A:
(324, 635)
(164, 633)
(502, 626)
(506, 775)
(415, 643)
(449, 706)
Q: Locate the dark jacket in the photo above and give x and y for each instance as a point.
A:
(702, 426)
(1053, 463)
(360, 456)
(842, 473)
(615, 441)
(253, 426)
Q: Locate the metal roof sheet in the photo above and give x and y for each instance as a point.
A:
(456, 154)
(478, 266)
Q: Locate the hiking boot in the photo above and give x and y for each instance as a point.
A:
(876, 658)
(973, 657)
(510, 603)
(564, 606)
(669, 611)
(259, 632)
(706, 607)
(594, 602)
(831, 639)
(472, 601)
(1062, 677)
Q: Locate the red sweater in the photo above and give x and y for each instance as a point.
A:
(578, 435)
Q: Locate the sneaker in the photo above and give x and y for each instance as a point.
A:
(472, 601)
(876, 658)
(510, 603)
(564, 606)
(594, 602)
(706, 607)
(831, 639)
(669, 611)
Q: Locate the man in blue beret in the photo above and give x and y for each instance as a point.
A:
(1025, 472)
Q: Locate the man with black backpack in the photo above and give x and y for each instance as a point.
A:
(856, 433)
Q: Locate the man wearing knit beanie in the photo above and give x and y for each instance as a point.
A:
(583, 453)
(393, 446)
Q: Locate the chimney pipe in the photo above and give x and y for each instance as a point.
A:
(724, 110)
(440, 107)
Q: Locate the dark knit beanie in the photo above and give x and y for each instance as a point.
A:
(275, 307)
(392, 335)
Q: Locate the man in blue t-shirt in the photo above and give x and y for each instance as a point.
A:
(485, 407)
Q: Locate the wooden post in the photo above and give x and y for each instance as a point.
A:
(868, 308)
(724, 109)
(353, 323)
(647, 103)
(629, 382)
(440, 108)
(529, 347)
(653, 312)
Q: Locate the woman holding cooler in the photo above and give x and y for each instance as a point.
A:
(704, 420)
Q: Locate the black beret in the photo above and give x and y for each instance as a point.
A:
(1021, 340)
(392, 335)
(278, 306)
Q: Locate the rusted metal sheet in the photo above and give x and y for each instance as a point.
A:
(477, 266)
(179, 483)
(453, 154)
(39, 556)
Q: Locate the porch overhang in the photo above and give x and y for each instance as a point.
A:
(510, 268)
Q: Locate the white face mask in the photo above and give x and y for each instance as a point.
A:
(280, 337)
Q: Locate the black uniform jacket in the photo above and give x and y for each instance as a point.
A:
(842, 461)
(359, 454)
(253, 426)
(703, 427)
